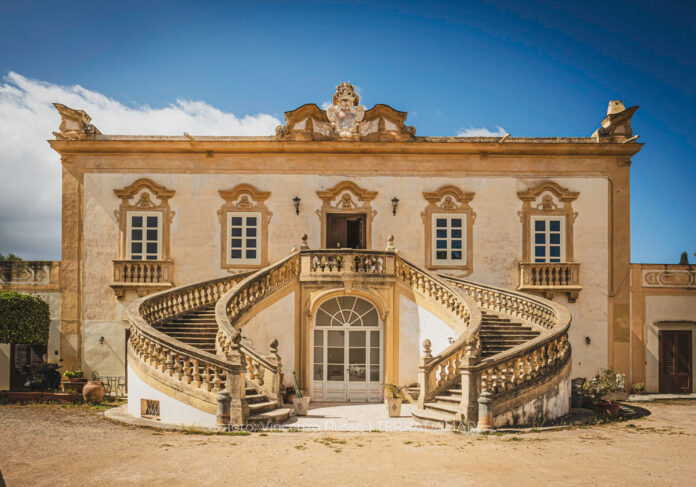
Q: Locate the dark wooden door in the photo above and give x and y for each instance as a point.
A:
(22, 356)
(345, 231)
(675, 362)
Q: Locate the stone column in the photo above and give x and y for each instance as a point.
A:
(468, 406)
(423, 374)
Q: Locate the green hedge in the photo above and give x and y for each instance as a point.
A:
(23, 319)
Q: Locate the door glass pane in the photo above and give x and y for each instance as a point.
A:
(334, 373)
(356, 356)
(374, 355)
(374, 373)
(335, 338)
(318, 372)
(374, 339)
(334, 355)
(318, 338)
(356, 373)
(356, 339)
(318, 355)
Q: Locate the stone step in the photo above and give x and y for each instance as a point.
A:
(454, 398)
(443, 407)
(189, 326)
(192, 334)
(521, 334)
(255, 398)
(259, 407)
(435, 419)
(273, 416)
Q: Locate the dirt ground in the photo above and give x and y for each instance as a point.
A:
(76, 445)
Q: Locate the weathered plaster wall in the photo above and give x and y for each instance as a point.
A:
(666, 308)
(277, 321)
(195, 236)
(4, 366)
(171, 410)
(541, 407)
(415, 325)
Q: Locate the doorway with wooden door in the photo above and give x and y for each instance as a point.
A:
(676, 362)
(346, 230)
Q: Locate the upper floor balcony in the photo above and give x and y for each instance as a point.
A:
(549, 278)
(142, 276)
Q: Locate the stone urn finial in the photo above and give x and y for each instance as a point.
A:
(274, 346)
(427, 353)
(390, 244)
(305, 242)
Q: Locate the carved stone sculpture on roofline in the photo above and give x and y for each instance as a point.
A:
(616, 126)
(346, 119)
(75, 124)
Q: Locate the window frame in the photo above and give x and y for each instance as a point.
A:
(129, 233)
(547, 244)
(434, 238)
(451, 202)
(547, 200)
(259, 238)
(244, 199)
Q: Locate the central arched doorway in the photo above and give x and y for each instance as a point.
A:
(347, 351)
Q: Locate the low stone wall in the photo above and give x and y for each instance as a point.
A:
(540, 404)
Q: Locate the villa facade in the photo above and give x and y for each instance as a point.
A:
(338, 247)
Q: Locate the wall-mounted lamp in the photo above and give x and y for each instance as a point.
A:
(588, 340)
(395, 204)
(101, 340)
(296, 202)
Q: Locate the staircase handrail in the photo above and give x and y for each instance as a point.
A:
(441, 371)
(522, 366)
(166, 356)
(235, 305)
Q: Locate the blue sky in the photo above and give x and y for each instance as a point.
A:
(542, 69)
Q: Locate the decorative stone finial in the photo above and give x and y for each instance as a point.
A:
(305, 242)
(427, 353)
(616, 126)
(346, 113)
(236, 337)
(274, 346)
(74, 125)
(390, 244)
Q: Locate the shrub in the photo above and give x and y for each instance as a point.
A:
(606, 381)
(23, 319)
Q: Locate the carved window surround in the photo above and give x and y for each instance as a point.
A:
(244, 199)
(143, 276)
(450, 200)
(347, 198)
(549, 199)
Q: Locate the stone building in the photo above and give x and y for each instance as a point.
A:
(337, 247)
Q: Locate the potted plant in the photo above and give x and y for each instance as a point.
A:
(606, 388)
(94, 390)
(638, 388)
(73, 375)
(299, 402)
(393, 397)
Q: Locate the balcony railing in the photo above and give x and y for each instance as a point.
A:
(340, 264)
(550, 278)
(143, 276)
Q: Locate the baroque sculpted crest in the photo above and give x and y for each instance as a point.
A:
(345, 119)
(346, 113)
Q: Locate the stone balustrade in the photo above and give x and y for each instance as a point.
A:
(485, 381)
(233, 308)
(197, 376)
(28, 274)
(346, 264)
(143, 276)
(551, 277)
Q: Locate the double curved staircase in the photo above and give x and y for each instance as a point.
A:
(509, 360)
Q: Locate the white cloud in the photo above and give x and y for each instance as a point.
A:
(472, 131)
(30, 171)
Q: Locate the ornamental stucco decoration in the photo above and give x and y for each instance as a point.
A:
(74, 124)
(346, 112)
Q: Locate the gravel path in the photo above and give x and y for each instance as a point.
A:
(75, 445)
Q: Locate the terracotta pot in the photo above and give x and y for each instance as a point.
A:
(301, 405)
(610, 408)
(394, 407)
(93, 391)
(75, 379)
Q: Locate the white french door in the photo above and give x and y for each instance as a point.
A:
(347, 351)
